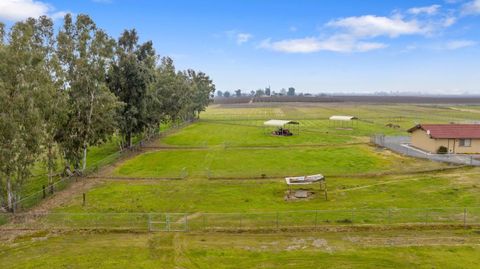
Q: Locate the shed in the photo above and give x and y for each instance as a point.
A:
(279, 123)
(342, 122)
(343, 118)
(280, 127)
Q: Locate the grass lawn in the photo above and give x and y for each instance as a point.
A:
(286, 250)
(365, 186)
(201, 195)
(217, 162)
(252, 133)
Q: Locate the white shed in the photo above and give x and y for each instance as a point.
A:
(280, 127)
(343, 122)
(343, 118)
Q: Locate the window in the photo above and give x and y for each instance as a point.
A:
(465, 142)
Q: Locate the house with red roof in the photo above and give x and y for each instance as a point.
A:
(456, 138)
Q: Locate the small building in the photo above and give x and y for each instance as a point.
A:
(280, 127)
(342, 122)
(456, 138)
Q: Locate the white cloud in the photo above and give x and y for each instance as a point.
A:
(243, 38)
(238, 37)
(449, 21)
(15, 10)
(338, 43)
(360, 33)
(292, 29)
(428, 10)
(460, 44)
(373, 26)
(471, 8)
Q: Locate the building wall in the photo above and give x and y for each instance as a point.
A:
(474, 148)
(420, 139)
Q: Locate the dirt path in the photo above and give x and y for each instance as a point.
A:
(83, 184)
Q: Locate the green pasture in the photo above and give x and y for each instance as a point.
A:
(286, 250)
(447, 189)
(268, 162)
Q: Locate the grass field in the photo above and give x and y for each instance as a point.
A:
(428, 249)
(231, 164)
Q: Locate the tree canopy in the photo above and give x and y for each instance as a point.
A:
(63, 92)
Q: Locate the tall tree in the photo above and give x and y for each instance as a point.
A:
(203, 89)
(23, 80)
(129, 79)
(52, 99)
(85, 53)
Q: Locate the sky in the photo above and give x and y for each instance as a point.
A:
(323, 46)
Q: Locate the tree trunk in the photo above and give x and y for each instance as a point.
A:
(84, 162)
(128, 139)
(9, 194)
(50, 168)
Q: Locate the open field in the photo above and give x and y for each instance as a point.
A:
(411, 249)
(232, 173)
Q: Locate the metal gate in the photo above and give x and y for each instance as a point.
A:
(167, 222)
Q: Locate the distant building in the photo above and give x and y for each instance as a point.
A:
(456, 138)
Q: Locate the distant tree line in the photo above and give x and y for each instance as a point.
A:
(258, 93)
(62, 92)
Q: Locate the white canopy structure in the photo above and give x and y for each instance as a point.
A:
(343, 118)
(304, 180)
(279, 123)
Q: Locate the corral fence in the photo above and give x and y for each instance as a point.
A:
(308, 219)
(401, 145)
(34, 197)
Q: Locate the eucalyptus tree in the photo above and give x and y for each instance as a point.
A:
(165, 89)
(85, 52)
(130, 76)
(52, 100)
(203, 89)
(24, 81)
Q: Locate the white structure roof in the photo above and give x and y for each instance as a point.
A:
(344, 118)
(304, 180)
(279, 123)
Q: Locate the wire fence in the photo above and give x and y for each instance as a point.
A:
(401, 144)
(27, 201)
(309, 219)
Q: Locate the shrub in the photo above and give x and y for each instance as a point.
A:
(442, 150)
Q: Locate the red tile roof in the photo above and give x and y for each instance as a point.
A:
(449, 130)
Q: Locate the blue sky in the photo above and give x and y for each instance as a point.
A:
(315, 46)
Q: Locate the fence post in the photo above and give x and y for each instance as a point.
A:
(44, 192)
(84, 199)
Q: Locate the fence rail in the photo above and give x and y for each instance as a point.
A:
(28, 200)
(401, 145)
(310, 219)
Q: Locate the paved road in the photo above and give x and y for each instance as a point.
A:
(401, 144)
